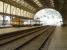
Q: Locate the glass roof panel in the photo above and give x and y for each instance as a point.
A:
(38, 3)
(25, 4)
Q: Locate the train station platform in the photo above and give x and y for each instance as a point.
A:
(59, 39)
(13, 29)
(31, 39)
(34, 40)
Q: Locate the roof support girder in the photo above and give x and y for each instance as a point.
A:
(6, 14)
(13, 3)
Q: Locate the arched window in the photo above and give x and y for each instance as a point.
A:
(49, 16)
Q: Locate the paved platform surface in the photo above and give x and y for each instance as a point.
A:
(7, 30)
(59, 40)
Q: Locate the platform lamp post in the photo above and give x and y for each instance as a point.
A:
(29, 21)
(10, 15)
(3, 16)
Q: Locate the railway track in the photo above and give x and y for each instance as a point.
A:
(25, 39)
(12, 37)
(37, 43)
